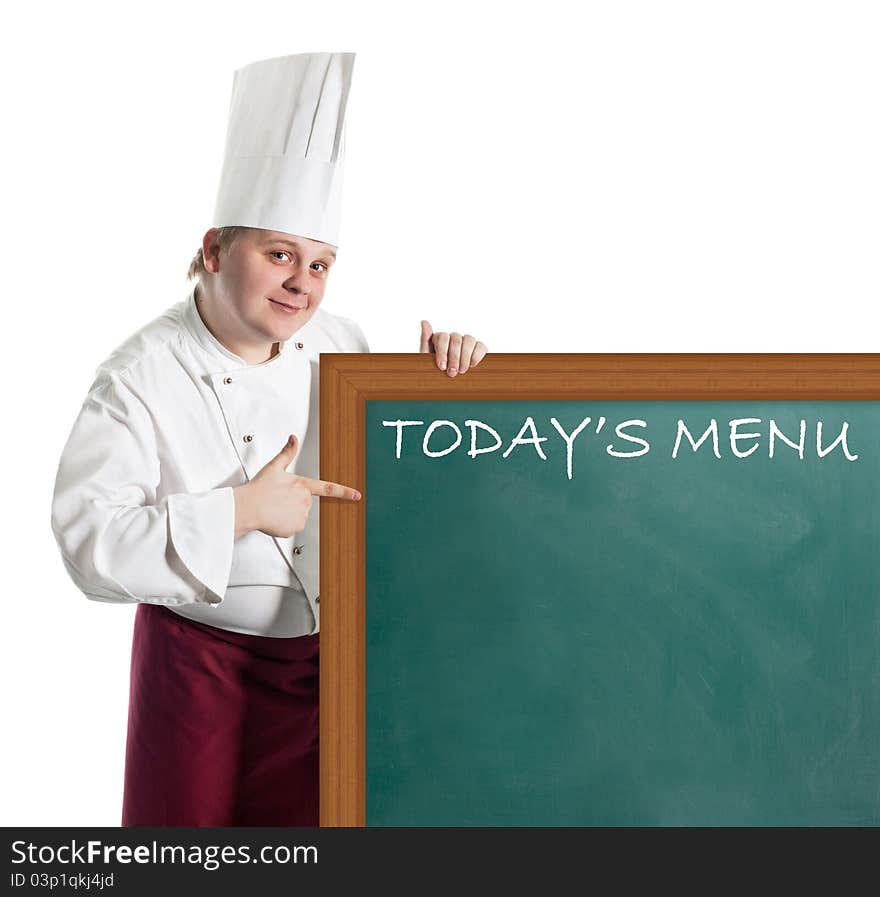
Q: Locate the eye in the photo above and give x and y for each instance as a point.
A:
(321, 265)
(280, 252)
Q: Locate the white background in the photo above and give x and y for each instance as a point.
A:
(551, 177)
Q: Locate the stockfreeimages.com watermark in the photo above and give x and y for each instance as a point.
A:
(210, 856)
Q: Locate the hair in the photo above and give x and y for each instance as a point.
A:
(226, 236)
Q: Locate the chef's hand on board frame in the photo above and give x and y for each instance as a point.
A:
(456, 353)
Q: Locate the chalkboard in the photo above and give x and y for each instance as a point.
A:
(615, 611)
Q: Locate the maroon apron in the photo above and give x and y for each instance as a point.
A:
(222, 726)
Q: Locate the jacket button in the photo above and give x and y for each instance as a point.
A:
(249, 437)
(317, 599)
(297, 549)
(298, 345)
(227, 380)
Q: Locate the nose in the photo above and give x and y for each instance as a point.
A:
(298, 283)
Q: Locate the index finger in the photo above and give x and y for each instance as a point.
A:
(327, 489)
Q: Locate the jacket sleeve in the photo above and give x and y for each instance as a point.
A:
(355, 341)
(118, 543)
(361, 340)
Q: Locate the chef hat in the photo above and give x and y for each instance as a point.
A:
(282, 168)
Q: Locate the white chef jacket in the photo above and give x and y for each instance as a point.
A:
(143, 508)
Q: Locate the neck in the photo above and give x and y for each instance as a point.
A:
(248, 351)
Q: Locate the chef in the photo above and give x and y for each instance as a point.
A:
(189, 482)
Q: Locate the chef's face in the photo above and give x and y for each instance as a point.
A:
(270, 283)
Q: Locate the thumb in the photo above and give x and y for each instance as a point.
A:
(427, 332)
(287, 454)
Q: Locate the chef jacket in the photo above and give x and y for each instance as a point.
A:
(143, 508)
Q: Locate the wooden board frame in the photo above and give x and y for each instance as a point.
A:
(349, 380)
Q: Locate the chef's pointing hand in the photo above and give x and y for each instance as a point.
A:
(455, 353)
(277, 502)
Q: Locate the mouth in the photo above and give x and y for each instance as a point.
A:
(285, 308)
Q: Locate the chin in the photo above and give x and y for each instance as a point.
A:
(278, 328)
(302, 320)
(290, 331)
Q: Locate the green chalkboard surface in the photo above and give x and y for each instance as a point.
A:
(653, 637)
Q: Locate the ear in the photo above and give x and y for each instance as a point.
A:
(211, 250)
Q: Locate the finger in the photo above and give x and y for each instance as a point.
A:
(425, 344)
(454, 354)
(441, 348)
(480, 351)
(327, 489)
(288, 453)
(467, 351)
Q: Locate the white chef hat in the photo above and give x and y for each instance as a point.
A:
(282, 168)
